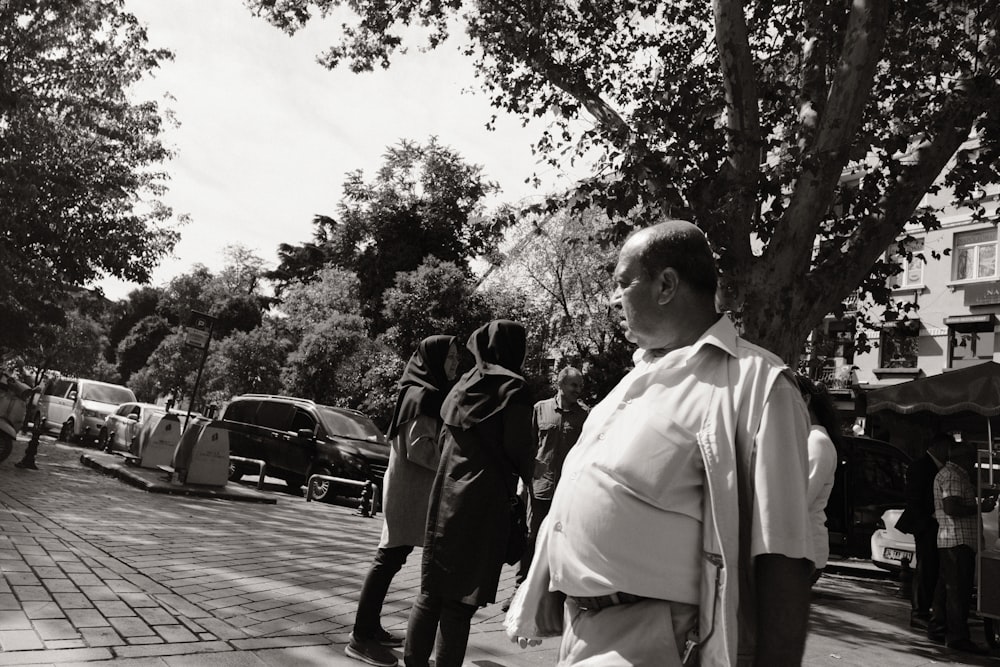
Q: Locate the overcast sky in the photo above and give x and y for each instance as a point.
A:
(266, 134)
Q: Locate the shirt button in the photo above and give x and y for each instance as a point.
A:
(558, 526)
(600, 437)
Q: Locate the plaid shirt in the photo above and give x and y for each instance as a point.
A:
(953, 481)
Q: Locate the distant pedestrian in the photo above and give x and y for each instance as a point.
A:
(555, 427)
(957, 512)
(487, 445)
(824, 435)
(414, 433)
(918, 520)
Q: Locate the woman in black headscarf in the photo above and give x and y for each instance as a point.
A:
(487, 445)
(414, 434)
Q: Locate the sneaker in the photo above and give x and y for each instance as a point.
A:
(370, 651)
(967, 646)
(25, 466)
(386, 638)
(936, 637)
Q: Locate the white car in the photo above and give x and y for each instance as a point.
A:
(890, 547)
(121, 426)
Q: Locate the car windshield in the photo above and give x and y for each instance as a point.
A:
(349, 424)
(103, 393)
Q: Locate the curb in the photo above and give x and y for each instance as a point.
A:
(147, 483)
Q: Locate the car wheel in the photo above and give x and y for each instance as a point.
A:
(103, 441)
(322, 489)
(991, 627)
(66, 432)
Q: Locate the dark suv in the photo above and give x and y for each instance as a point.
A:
(298, 438)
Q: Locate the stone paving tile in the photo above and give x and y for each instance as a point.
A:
(114, 608)
(8, 566)
(37, 610)
(8, 602)
(101, 592)
(14, 620)
(136, 600)
(34, 593)
(65, 643)
(60, 657)
(72, 601)
(60, 586)
(175, 633)
(155, 615)
(20, 640)
(144, 639)
(86, 618)
(105, 636)
(213, 647)
(22, 579)
(49, 629)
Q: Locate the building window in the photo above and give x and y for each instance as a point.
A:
(898, 348)
(912, 274)
(971, 348)
(975, 255)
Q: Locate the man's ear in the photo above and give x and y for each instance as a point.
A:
(668, 284)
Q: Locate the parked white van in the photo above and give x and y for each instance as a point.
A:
(78, 408)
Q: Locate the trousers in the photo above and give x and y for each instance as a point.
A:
(953, 595)
(651, 633)
(388, 561)
(432, 615)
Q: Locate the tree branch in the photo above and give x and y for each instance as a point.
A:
(824, 162)
(947, 132)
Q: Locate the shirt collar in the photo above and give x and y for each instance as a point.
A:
(564, 407)
(722, 335)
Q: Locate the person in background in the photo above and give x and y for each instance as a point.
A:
(680, 530)
(555, 426)
(824, 437)
(487, 445)
(918, 520)
(957, 512)
(414, 435)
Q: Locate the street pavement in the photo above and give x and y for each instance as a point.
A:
(98, 571)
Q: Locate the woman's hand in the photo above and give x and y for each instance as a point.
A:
(525, 642)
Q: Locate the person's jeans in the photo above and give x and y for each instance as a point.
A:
(538, 509)
(388, 562)
(953, 595)
(429, 612)
(925, 581)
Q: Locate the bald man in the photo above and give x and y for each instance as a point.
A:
(685, 495)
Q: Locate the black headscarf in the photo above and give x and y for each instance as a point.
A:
(486, 389)
(424, 383)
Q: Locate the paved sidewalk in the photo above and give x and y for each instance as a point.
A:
(97, 571)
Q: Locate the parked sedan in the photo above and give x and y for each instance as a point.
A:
(891, 547)
(122, 425)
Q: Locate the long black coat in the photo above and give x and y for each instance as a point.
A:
(918, 516)
(468, 520)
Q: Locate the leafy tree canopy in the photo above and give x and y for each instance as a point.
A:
(744, 117)
(78, 159)
(424, 201)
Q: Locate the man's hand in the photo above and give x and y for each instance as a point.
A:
(525, 642)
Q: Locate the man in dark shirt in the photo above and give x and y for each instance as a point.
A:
(918, 520)
(555, 427)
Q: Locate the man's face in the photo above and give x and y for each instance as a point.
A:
(635, 297)
(571, 387)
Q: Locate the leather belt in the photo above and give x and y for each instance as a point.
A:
(604, 601)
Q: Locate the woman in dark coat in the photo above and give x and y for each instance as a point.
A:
(487, 445)
(414, 435)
